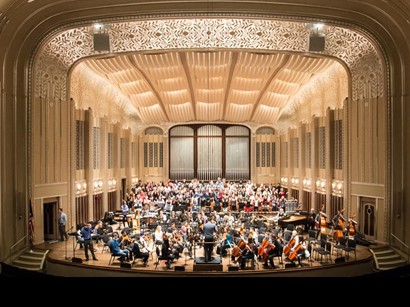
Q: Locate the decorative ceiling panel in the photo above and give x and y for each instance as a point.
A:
(227, 69)
(222, 85)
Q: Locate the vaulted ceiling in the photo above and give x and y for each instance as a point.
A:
(231, 86)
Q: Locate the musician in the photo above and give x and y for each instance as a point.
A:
(80, 239)
(124, 212)
(338, 224)
(144, 211)
(98, 232)
(166, 251)
(88, 242)
(337, 219)
(138, 251)
(272, 251)
(225, 203)
(321, 222)
(209, 230)
(304, 254)
(162, 218)
(281, 213)
(299, 247)
(226, 243)
(158, 235)
(183, 230)
(351, 229)
(176, 243)
(126, 240)
(311, 220)
(114, 244)
(248, 253)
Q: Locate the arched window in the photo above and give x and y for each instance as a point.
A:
(209, 151)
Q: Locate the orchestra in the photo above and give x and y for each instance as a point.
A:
(171, 219)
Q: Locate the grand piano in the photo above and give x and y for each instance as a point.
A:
(293, 217)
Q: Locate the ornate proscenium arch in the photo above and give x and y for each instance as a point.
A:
(362, 104)
(60, 51)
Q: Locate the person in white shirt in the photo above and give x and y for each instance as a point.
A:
(158, 235)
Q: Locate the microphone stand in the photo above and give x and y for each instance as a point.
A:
(65, 252)
(74, 239)
(66, 240)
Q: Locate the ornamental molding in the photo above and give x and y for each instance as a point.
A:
(62, 49)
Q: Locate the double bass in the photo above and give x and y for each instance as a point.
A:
(322, 218)
(351, 230)
(339, 226)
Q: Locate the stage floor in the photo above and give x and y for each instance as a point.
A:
(62, 253)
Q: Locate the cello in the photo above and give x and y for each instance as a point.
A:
(239, 248)
(295, 252)
(267, 251)
(264, 245)
(289, 246)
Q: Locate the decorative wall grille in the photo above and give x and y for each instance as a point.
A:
(322, 148)
(96, 147)
(79, 145)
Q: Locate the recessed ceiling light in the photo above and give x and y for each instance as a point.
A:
(28, 1)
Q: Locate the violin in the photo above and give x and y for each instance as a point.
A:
(126, 240)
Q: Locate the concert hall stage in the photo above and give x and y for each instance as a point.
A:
(59, 263)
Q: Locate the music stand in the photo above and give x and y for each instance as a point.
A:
(229, 254)
(185, 253)
(74, 235)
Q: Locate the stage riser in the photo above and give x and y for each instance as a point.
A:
(208, 267)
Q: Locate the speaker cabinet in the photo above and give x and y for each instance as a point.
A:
(179, 268)
(340, 260)
(126, 265)
(76, 260)
(101, 42)
(316, 42)
(233, 268)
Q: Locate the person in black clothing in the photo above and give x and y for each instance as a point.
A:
(248, 253)
(209, 229)
(137, 251)
(166, 252)
(311, 220)
(88, 242)
(274, 250)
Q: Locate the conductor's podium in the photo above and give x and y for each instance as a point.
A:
(215, 264)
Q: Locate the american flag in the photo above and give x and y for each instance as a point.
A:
(31, 225)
